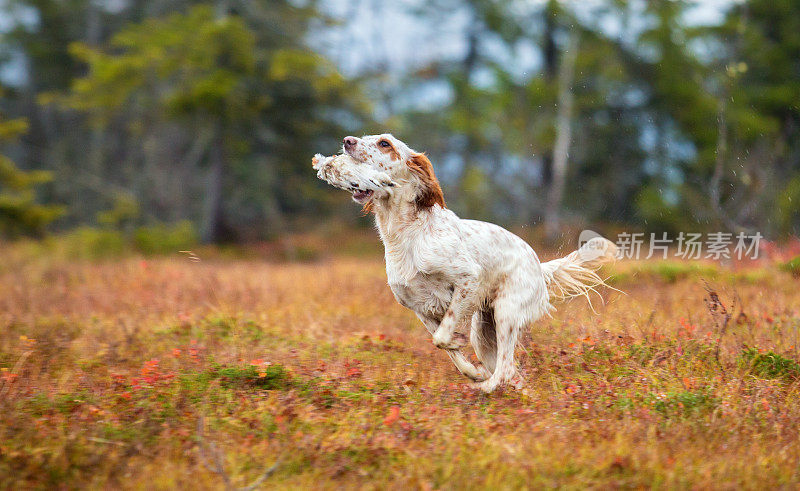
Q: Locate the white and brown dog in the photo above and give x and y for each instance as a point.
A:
(451, 271)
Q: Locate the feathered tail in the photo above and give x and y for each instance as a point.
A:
(576, 273)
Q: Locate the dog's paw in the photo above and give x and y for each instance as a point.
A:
(483, 373)
(441, 338)
(490, 385)
(445, 340)
(483, 386)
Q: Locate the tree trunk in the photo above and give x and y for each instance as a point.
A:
(566, 77)
(211, 229)
(550, 50)
(550, 55)
(715, 186)
(470, 147)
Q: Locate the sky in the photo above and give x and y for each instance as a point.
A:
(387, 36)
(386, 31)
(403, 42)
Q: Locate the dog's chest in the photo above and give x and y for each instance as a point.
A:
(427, 295)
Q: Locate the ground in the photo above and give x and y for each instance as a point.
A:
(173, 372)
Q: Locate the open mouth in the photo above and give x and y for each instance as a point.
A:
(352, 154)
(362, 196)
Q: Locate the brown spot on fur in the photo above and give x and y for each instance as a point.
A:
(431, 192)
(495, 291)
(393, 153)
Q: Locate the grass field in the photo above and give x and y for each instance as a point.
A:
(164, 373)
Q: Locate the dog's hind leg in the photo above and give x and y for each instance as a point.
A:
(505, 368)
(520, 301)
(483, 337)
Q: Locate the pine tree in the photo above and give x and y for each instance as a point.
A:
(20, 214)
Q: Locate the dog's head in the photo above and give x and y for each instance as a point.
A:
(381, 167)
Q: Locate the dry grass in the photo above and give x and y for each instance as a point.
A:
(169, 373)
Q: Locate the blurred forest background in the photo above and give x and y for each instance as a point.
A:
(173, 120)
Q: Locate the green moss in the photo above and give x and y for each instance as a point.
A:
(642, 353)
(684, 403)
(792, 267)
(270, 377)
(666, 271)
(672, 271)
(66, 403)
(769, 365)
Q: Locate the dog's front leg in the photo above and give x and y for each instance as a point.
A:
(477, 374)
(462, 305)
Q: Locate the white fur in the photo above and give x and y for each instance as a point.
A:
(454, 272)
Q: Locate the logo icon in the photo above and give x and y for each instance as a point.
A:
(594, 246)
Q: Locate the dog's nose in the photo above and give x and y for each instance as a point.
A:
(350, 142)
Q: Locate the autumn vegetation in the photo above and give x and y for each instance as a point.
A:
(184, 305)
(217, 369)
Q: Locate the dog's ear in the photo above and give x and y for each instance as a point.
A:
(430, 192)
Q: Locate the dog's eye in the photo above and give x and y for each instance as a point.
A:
(384, 144)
